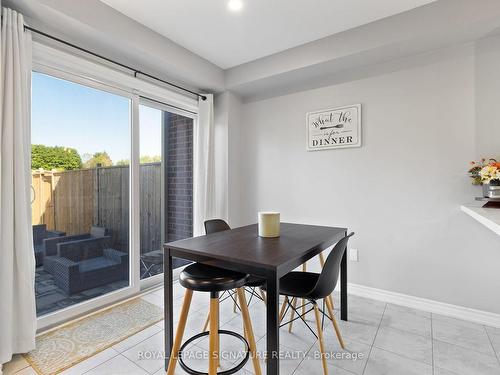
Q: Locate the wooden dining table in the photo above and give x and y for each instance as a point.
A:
(241, 249)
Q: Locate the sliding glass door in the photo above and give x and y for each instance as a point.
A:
(112, 180)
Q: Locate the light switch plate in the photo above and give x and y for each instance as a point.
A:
(353, 255)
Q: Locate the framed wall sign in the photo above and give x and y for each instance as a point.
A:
(334, 128)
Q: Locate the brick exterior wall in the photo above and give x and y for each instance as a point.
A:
(179, 182)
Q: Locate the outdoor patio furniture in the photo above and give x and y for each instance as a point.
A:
(86, 263)
(152, 263)
(50, 246)
(40, 233)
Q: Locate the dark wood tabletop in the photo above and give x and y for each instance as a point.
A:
(241, 249)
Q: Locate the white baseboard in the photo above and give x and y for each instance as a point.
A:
(454, 311)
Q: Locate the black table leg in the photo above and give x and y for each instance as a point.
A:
(343, 287)
(273, 327)
(168, 300)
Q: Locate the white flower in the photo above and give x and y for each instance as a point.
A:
(488, 173)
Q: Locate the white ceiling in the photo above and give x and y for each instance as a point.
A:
(261, 28)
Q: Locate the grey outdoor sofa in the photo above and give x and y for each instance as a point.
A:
(86, 263)
(40, 236)
(50, 245)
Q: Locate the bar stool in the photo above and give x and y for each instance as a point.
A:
(204, 278)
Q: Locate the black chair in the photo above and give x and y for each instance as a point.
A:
(313, 287)
(219, 225)
(204, 278)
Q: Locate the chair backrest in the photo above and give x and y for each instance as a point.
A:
(84, 249)
(97, 232)
(327, 280)
(216, 225)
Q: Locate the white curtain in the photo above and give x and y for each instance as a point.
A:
(17, 262)
(208, 198)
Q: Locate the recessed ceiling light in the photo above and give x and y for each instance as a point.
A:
(235, 5)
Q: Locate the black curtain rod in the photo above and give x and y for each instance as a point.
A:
(136, 72)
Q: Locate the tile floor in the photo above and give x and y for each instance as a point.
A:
(381, 339)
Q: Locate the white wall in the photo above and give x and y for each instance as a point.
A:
(400, 192)
(488, 96)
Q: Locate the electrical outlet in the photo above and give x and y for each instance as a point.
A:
(353, 255)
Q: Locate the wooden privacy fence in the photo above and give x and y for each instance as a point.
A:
(73, 201)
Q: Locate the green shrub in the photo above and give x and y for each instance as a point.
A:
(54, 157)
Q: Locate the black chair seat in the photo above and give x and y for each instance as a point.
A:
(255, 282)
(204, 278)
(298, 284)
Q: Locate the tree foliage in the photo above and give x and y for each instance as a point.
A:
(54, 157)
(150, 159)
(100, 159)
(145, 159)
(123, 163)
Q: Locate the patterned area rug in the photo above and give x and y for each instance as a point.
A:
(66, 346)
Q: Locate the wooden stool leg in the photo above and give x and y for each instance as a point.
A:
(292, 315)
(235, 306)
(214, 333)
(263, 295)
(320, 336)
(304, 269)
(217, 344)
(249, 330)
(283, 308)
(334, 321)
(180, 332)
(205, 327)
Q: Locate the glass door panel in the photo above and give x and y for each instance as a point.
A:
(80, 191)
(166, 183)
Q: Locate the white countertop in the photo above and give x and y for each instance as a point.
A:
(489, 217)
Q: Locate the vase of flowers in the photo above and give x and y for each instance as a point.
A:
(486, 173)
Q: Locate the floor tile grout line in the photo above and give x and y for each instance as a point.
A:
(492, 346)
(136, 364)
(494, 355)
(140, 342)
(405, 331)
(446, 319)
(303, 359)
(374, 338)
(401, 355)
(109, 359)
